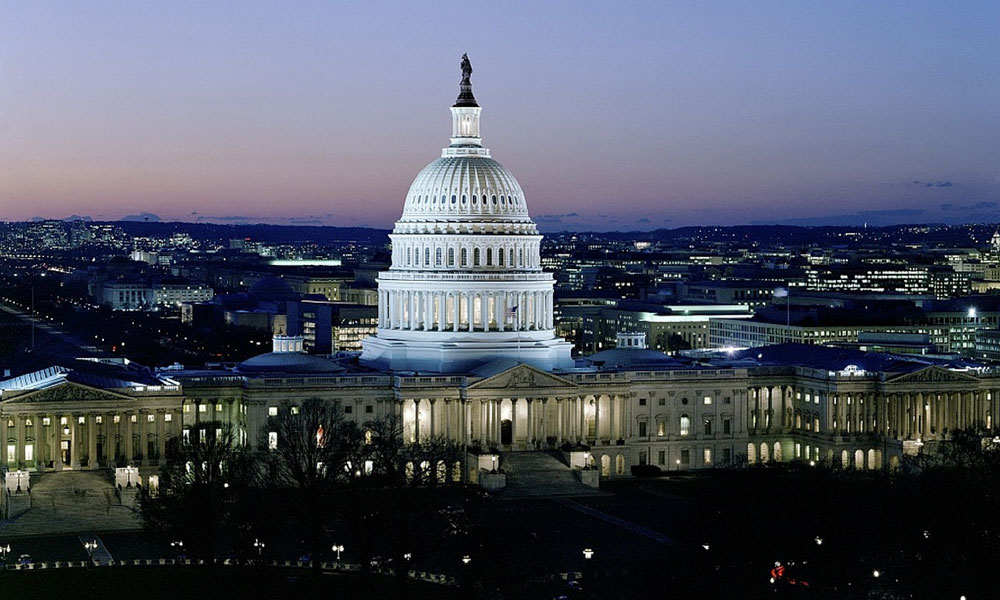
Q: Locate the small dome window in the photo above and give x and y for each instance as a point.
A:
(454, 198)
(443, 198)
(494, 199)
(503, 200)
(465, 199)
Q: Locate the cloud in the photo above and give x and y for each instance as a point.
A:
(227, 218)
(932, 184)
(645, 220)
(550, 219)
(967, 207)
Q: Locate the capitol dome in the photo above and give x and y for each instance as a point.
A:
(466, 284)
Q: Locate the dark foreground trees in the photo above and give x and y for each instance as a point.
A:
(317, 479)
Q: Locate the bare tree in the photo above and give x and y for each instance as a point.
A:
(206, 495)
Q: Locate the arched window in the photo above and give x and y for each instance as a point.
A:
(427, 257)
(489, 257)
(451, 257)
(510, 256)
(494, 199)
(465, 199)
(409, 256)
(465, 257)
(454, 198)
(500, 261)
(520, 259)
(474, 197)
(437, 257)
(475, 257)
(685, 425)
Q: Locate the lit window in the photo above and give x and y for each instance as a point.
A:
(685, 425)
(11, 453)
(168, 417)
(707, 456)
(218, 407)
(272, 440)
(29, 452)
(708, 399)
(295, 410)
(117, 418)
(81, 420)
(272, 411)
(99, 419)
(46, 421)
(187, 408)
(202, 408)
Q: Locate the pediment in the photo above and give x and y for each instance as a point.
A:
(523, 377)
(68, 392)
(934, 374)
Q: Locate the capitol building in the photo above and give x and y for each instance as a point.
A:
(466, 352)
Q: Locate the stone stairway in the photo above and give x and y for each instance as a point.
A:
(541, 475)
(71, 502)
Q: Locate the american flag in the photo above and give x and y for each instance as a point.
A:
(511, 312)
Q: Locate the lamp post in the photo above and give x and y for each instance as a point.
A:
(178, 547)
(90, 546)
(259, 545)
(4, 551)
(338, 548)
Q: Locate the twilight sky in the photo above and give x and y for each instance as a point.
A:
(611, 115)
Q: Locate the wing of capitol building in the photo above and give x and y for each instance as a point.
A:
(466, 351)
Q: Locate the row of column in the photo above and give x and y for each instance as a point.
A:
(905, 415)
(465, 256)
(418, 310)
(66, 439)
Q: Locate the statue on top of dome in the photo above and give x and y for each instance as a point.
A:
(466, 69)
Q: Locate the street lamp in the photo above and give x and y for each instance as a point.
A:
(819, 541)
(466, 559)
(338, 548)
(4, 551)
(588, 553)
(259, 545)
(90, 546)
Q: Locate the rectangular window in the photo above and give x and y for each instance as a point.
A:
(727, 426)
(727, 400)
(99, 419)
(150, 418)
(661, 457)
(168, 417)
(661, 428)
(663, 402)
(117, 418)
(642, 402)
(11, 453)
(708, 426)
(685, 425)
(708, 399)
(81, 420)
(707, 456)
(202, 408)
(272, 411)
(46, 421)
(642, 429)
(186, 435)
(348, 409)
(369, 408)
(685, 458)
(29, 452)
(727, 455)
(187, 408)
(134, 419)
(272, 440)
(295, 410)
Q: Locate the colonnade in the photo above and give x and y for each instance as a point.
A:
(440, 252)
(88, 439)
(901, 415)
(419, 310)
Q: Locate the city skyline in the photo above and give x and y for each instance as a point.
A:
(635, 117)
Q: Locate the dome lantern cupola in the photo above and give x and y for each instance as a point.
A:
(465, 137)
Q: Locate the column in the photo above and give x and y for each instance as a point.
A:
(513, 423)
(56, 433)
(74, 443)
(433, 418)
(92, 441)
(127, 417)
(40, 442)
(416, 420)
(597, 419)
(545, 420)
(559, 421)
(161, 436)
